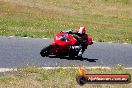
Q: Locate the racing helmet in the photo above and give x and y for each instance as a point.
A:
(81, 30)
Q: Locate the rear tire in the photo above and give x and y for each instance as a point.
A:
(45, 51)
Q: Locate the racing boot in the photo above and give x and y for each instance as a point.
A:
(80, 53)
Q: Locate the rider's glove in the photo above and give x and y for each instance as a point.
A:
(69, 31)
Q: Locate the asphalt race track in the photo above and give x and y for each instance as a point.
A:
(19, 52)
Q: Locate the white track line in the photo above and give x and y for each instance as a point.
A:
(74, 67)
(48, 38)
(7, 69)
(94, 41)
(11, 36)
(48, 68)
(109, 42)
(26, 37)
(129, 68)
(45, 38)
(125, 43)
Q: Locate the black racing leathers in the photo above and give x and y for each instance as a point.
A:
(82, 41)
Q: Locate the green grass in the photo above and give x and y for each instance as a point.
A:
(105, 20)
(33, 77)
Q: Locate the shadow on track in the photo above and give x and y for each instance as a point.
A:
(63, 57)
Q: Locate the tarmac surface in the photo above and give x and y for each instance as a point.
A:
(20, 52)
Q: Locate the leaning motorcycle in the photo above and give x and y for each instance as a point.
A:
(64, 44)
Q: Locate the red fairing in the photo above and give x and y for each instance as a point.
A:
(90, 40)
(64, 38)
(73, 40)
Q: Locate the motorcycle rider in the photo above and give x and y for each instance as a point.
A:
(80, 33)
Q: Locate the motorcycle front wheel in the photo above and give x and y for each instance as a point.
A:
(45, 51)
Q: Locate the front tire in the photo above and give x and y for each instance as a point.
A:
(45, 51)
(80, 58)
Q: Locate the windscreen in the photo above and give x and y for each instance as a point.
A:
(63, 37)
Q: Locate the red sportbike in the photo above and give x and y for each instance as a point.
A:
(63, 45)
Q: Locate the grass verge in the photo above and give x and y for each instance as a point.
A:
(33, 77)
(105, 20)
